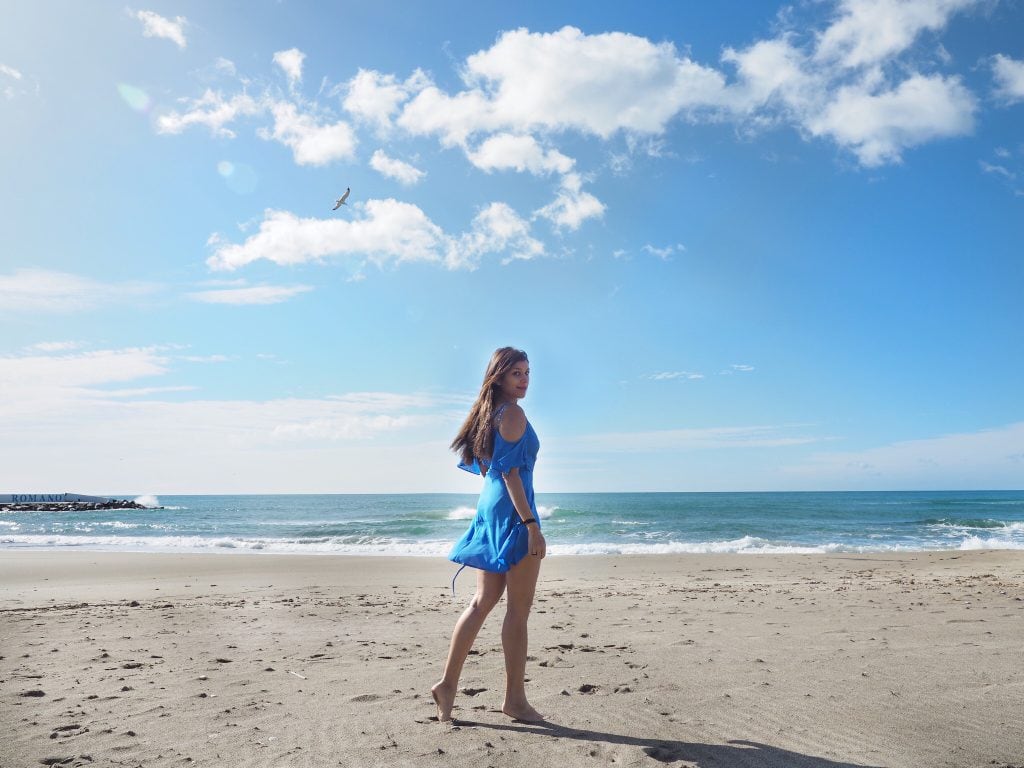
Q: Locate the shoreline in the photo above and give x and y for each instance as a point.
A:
(775, 661)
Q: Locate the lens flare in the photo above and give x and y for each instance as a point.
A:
(240, 178)
(136, 98)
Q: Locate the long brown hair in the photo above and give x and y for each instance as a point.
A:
(476, 437)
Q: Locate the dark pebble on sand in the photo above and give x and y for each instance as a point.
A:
(32, 694)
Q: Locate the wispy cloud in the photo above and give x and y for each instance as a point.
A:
(111, 419)
(998, 170)
(290, 62)
(659, 441)
(985, 459)
(155, 25)
(666, 253)
(674, 375)
(572, 205)
(43, 290)
(736, 368)
(395, 169)
(55, 346)
(212, 110)
(256, 294)
(1009, 75)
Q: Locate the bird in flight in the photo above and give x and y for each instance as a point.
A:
(342, 199)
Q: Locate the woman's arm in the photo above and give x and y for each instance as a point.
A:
(514, 483)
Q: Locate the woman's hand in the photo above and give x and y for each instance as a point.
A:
(537, 545)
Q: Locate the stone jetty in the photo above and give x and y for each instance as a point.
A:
(62, 502)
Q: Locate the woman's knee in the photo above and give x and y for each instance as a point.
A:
(486, 600)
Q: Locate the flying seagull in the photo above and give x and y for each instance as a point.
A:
(342, 199)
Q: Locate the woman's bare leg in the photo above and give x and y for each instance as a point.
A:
(489, 587)
(521, 581)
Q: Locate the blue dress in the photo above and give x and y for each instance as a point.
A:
(497, 539)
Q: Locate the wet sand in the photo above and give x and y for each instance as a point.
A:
(774, 661)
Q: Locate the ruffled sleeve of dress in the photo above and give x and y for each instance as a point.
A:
(508, 456)
(475, 467)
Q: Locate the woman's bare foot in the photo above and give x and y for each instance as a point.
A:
(523, 712)
(444, 698)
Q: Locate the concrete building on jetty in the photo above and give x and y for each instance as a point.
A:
(59, 502)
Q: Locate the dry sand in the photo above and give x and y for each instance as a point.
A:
(798, 661)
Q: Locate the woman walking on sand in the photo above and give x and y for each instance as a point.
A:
(504, 542)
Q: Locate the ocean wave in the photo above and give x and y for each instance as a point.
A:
(462, 513)
(147, 500)
(998, 541)
(468, 513)
(349, 545)
(952, 522)
(383, 546)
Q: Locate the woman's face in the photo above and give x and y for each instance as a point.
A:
(514, 383)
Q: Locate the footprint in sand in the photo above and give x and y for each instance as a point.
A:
(366, 697)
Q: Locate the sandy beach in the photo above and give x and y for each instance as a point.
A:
(805, 661)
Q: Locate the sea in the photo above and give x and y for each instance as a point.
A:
(573, 523)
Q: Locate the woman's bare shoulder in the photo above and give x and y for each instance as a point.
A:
(513, 423)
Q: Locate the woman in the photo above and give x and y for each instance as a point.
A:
(504, 541)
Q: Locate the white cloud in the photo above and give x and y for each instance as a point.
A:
(12, 82)
(596, 84)
(837, 88)
(504, 151)
(43, 290)
(571, 206)
(73, 374)
(155, 25)
(660, 441)
(205, 358)
(999, 170)
(877, 127)
(375, 97)
(225, 66)
(985, 459)
(673, 375)
(257, 294)
(212, 110)
(773, 73)
(311, 143)
(383, 232)
(85, 412)
(55, 346)
(290, 62)
(395, 169)
(869, 31)
(665, 254)
(1009, 74)
(389, 231)
(496, 229)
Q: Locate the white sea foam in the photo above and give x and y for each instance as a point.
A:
(148, 500)
(467, 513)
(997, 541)
(348, 545)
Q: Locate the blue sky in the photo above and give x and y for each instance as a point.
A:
(747, 247)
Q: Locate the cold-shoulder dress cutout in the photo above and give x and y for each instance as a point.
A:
(497, 539)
